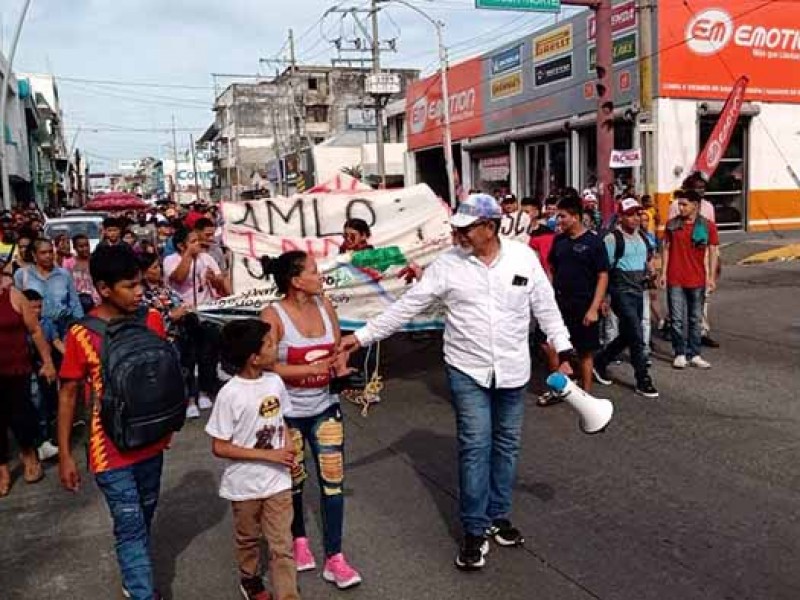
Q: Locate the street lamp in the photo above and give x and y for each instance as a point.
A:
(447, 133)
(4, 102)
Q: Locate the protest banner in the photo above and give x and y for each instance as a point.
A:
(409, 225)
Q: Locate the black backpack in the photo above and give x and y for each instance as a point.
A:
(144, 398)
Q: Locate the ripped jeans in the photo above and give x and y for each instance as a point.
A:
(324, 435)
(132, 494)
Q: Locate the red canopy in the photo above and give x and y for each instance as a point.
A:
(116, 201)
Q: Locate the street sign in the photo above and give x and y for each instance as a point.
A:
(524, 5)
(383, 84)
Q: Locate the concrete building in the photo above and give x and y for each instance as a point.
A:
(51, 161)
(264, 132)
(15, 138)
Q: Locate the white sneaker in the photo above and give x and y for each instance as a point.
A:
(47, 451)
(204, 402)
(700, 362)
(679, 362)
(192, 412)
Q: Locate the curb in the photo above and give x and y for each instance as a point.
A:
(781, 254)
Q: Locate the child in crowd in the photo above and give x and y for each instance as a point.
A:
(356, 236)
(248, 428)
(78, 265)
(44, 393)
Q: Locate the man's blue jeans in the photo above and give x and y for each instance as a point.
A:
(686, 304)
(629, 308)
(489, 428)
(132, 495)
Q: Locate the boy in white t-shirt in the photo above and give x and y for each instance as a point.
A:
(249, 431)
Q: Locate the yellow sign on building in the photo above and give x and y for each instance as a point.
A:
(507, 86)
(554, 42)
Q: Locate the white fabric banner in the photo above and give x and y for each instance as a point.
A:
(409, 225)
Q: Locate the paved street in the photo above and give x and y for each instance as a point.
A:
(694, 496)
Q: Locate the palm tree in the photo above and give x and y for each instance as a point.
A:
(355, 171)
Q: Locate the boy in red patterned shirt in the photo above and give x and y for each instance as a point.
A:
(130, 481)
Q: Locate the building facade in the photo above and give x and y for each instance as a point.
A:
(265, 132)
(524, 114)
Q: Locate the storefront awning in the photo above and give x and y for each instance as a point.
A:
(710, 107)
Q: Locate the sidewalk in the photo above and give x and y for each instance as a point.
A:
(742, 247)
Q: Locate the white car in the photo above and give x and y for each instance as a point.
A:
(88, 224)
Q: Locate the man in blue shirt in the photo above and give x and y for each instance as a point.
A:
(628, 254)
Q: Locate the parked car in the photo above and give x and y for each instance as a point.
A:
(89, 224)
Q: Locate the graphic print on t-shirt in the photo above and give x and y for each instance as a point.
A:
(308, 355)
(269, 437)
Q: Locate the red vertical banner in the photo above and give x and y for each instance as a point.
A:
(716, 146)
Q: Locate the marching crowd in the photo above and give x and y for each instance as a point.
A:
(72, 321)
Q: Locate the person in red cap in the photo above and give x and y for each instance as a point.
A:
(629, 254)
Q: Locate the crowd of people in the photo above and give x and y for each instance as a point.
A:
(592, 288)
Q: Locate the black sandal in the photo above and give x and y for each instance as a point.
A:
(549, 399)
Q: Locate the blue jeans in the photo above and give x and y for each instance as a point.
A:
(686, 304)
(324, 434)
(489, 428)
(629, 309)
(132, 495)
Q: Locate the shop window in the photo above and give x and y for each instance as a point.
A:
(623, 140)
(727, 188)
(317, 114)
(492, 173)
(548, 168)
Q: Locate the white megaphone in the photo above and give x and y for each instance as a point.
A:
(595, 413)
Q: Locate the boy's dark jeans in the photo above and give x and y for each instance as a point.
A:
(132, 495)
(629, 308)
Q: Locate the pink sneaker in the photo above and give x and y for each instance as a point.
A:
(302, 555)
(339, 572)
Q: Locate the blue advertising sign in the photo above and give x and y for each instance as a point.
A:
(508, 60)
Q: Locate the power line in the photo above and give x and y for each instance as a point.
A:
(128, 83)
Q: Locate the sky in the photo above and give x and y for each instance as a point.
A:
(160, 56)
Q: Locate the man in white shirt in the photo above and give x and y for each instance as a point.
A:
(489, 286)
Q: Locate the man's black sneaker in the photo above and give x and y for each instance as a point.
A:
(646, 388)
(504, 534)
(709, 342)
(472, 552)
(601, 375)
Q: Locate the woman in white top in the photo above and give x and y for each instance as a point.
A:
(306, 330)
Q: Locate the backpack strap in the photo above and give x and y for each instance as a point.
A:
(96, 324)
(619, 247)
(650, 249)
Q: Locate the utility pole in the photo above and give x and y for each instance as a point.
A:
(175, 161)
(447, 137)
(299, 119)
(376, 69)
(646, 90)
(605, 102)
(6, 185)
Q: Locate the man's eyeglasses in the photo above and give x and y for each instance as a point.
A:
(467, 229)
